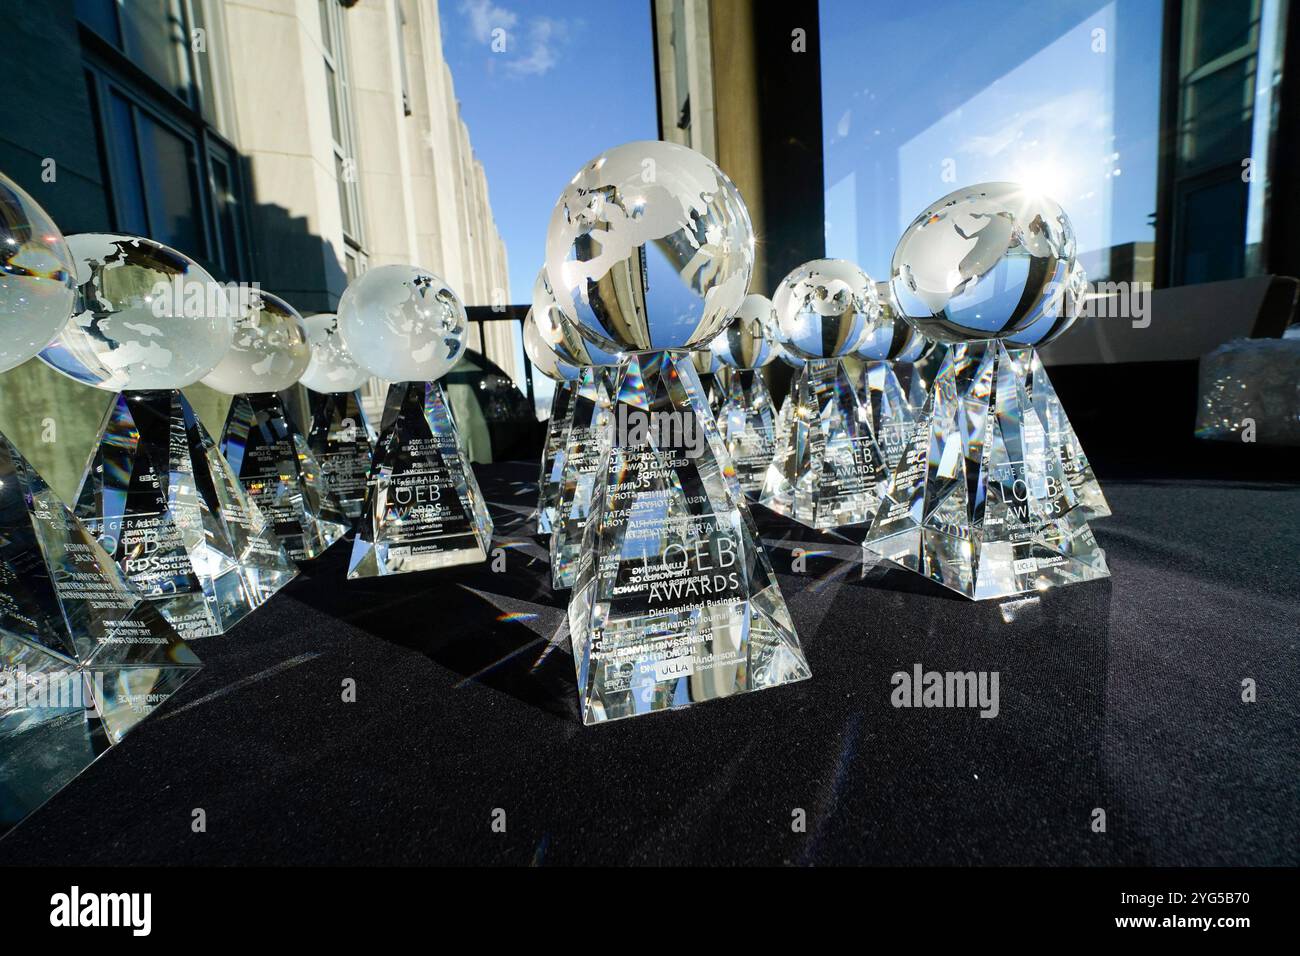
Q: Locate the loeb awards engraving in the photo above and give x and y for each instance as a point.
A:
(980, 502)
(746, 418)
(424, 509)
(262, 443)
(340, 436)
(828, 470)
(156, 492)
(649, 251)
(83, 658)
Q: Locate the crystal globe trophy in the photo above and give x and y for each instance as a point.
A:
(83, 657)
(746, 418)
(157, 492)
(980, 501)
(269, 353)
(565, 376)
(828, 470)
(1023, 349)
(424, 509)
(340, 435)
(889, 380)
(650, 251)
(587, 436)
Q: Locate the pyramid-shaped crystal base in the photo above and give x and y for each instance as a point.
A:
(747, 423)
(83, 659)
(888, 408)
(342, 441)
(1060, 433)
(675, 601)
(165, 504)
(980, 502)
(557, 431)
(585, 446)
(828, 470)
(281, 476)
(424, 509)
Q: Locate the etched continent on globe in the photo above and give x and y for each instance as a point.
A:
(650, 247)
(332, 369)
(983, 262)
(402, 323)
(152, 318)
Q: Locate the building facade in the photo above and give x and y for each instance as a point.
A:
(295, 143)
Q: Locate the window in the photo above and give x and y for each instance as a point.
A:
(170, 177)
(158, 97)
(680, 58)
(343, 129)
(921, 99)
(403, 72)
(1228, 66)
(170, 40)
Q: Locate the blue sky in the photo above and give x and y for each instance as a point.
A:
(575, 78)
(920, 99)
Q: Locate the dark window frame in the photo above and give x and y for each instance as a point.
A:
(110, 72)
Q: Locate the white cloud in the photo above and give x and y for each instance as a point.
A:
(545, 36)
(484, 16)
(531, 50)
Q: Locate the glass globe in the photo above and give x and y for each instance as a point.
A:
(983, 262)
(37, 277)
(268, 351)
(825, 308)
(916, 346)
(749, 339)
(561, 334)
(788, 357)
(890, 337)
(543, 356)
(649, 247)
(1054, 322)
(705, 362)
(402, 323)
(150, 317)
(332, 368)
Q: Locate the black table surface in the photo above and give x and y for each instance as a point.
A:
(1123, 695)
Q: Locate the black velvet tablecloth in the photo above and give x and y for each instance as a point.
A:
(1123, 695)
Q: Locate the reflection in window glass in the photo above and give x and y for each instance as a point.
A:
(168, 168)
(101, 17)
(155, 37)
(226, 200)
(543, 91)
(1211, 223)
(128, 191)
(921, 99)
